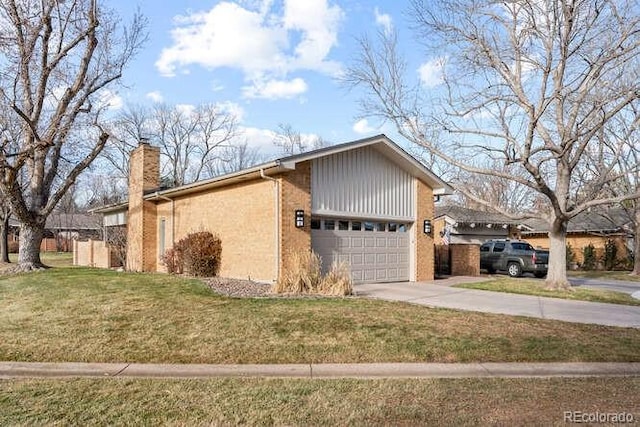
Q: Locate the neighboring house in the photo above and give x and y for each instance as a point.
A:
(459, 232)
(469, 226)
(61, 229)
(594, 227)
(455, 225)
(364, 202)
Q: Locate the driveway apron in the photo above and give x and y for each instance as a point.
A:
(432, 294)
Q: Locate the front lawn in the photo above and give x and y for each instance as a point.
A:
(535, 287)
(92, 315)
(51, 259)
(453, 402)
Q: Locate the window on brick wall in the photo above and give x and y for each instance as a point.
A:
(161, 234)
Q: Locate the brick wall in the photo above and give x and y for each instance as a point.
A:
(424, 252)
(295, 193)
(94, 253)
(579, 241)
(144, 175)
(465, 260)
(243, 215)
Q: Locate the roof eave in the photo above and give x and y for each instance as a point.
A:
(270, 168)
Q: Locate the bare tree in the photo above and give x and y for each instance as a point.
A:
(233, 158)
(291, 141)
(101, 190)
(131, 125)
(504, 195)
(58, 59)
(5, 214)
(191, 139)
(529, 84)
(623, 130)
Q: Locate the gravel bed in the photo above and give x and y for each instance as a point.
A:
(239, 288)
(249, 289)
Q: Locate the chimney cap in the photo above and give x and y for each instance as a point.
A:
(143, 141)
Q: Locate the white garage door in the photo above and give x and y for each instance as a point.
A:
(375, 251)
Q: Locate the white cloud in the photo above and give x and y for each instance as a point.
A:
(262, 139)
(362, 127)
(110, 100)
(430, 72)
(384, 20)
(155, 96)
(232, 108)
(264, 42)
(186, 109)
(275, 89)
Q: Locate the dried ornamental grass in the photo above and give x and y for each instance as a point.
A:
(305, 277)
(337, 281)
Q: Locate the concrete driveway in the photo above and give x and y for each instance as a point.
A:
(441, 294)
(628, 287)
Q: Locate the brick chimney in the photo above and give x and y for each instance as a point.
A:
(144, 176)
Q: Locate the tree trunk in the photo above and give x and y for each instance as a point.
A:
(31, 235)
(557, 273)
(636, 245)
(4, 239)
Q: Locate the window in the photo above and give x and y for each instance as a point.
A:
(368, 226)
(393, 227)
(161, 236)
(522, 247)
(381, 226)
(356, 225)
(343, 225)
(485, 247)
(402, 228)
(498, 247)
(329, 224)
(315, 224)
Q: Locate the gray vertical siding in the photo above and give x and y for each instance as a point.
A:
(361, 183)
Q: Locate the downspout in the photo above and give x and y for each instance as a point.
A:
(276, 188)
(173, 215)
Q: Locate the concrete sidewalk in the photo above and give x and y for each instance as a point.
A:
(441, 294)
(330, 370)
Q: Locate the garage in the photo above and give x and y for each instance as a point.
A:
(363, 208)
(376, 251)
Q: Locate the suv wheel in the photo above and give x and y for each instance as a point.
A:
(514, 269)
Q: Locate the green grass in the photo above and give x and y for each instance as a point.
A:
(93, 315)
(51, 259)
(607, 275)
(526, 286)
(312, 402)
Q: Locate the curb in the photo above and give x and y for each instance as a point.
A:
(309, 371)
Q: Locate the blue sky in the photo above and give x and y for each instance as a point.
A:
(268, 61)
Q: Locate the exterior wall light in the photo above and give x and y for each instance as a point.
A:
(427, 226)
(299, 218)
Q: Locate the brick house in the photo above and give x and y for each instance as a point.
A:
(364, 202)
(595, 228)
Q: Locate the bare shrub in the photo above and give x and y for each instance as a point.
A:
(305, 277)
(116, 238)
(172, 259)
(199, 254)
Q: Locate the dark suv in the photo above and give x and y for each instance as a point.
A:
(513, 256)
